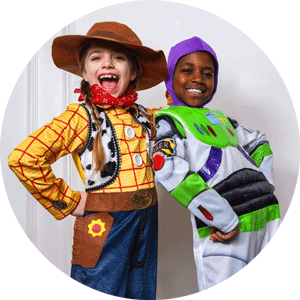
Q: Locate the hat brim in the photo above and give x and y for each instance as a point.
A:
(65, 54)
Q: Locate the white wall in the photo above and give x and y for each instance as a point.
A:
(250, 90)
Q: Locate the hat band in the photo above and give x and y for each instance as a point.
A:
(110, 35)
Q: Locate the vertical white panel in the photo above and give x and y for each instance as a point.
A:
(32, 124)
(14, 130)
(69, 172)
(55, 91)
(48, 229)
(42, 93)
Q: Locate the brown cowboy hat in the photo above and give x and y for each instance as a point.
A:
(66, 49)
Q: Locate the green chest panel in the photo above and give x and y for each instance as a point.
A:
(211, 127)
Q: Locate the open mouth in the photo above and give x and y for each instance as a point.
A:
(108, 81)
(195, 91)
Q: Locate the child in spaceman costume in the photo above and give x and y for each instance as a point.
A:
(219, 170)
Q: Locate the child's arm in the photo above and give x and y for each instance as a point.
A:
(187, 187)
(31, 160)
(258, 147)
(79, 210)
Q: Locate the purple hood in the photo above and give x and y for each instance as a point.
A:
(181, 49)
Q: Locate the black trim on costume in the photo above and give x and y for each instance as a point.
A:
(171, 123)
(246, 190)
(146, 125)
(118, 153)
(141, 108)
(88, 140)
(233, 122)
(164, 137)
(258, 145)
(235, 125)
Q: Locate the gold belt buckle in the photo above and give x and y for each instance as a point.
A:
(141, 199)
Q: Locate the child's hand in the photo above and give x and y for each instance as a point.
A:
(79, 210)
(219, 236)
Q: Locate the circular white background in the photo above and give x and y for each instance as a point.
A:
(250, 90)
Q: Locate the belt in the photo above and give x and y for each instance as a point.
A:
(139, 199)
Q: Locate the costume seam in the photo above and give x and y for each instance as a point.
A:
(223, 255)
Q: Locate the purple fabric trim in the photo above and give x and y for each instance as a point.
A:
(181, 49)
(246, 155)
(212, 164)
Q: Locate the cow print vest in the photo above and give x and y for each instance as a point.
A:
(99, 180)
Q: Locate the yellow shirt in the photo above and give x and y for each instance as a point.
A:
(31, 160)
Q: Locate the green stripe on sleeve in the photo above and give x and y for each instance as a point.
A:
(190, 187)
(253, 221)
(260, 153)
(258, 219)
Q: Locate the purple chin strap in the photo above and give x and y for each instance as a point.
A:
(181, 49)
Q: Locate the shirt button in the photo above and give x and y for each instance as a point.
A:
(137, 160)
(130, 132)
(59, 204)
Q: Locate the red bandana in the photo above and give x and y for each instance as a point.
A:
(102, 97)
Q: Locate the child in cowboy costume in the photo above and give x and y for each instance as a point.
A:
(108, 135)
(216, 168)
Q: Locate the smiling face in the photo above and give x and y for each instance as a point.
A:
(108, 67)
(193, 80)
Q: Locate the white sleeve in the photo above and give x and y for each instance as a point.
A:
(187, 187)
(266, 167)
(251, 141)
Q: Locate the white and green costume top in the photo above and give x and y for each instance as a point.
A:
(216, 168)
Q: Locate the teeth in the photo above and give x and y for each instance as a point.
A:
(194, 91)
(108, 76)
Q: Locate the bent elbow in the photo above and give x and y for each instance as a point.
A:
(13, 158)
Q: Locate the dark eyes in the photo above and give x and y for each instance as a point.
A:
(117, 57)
(207, 74)
(187, 71)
